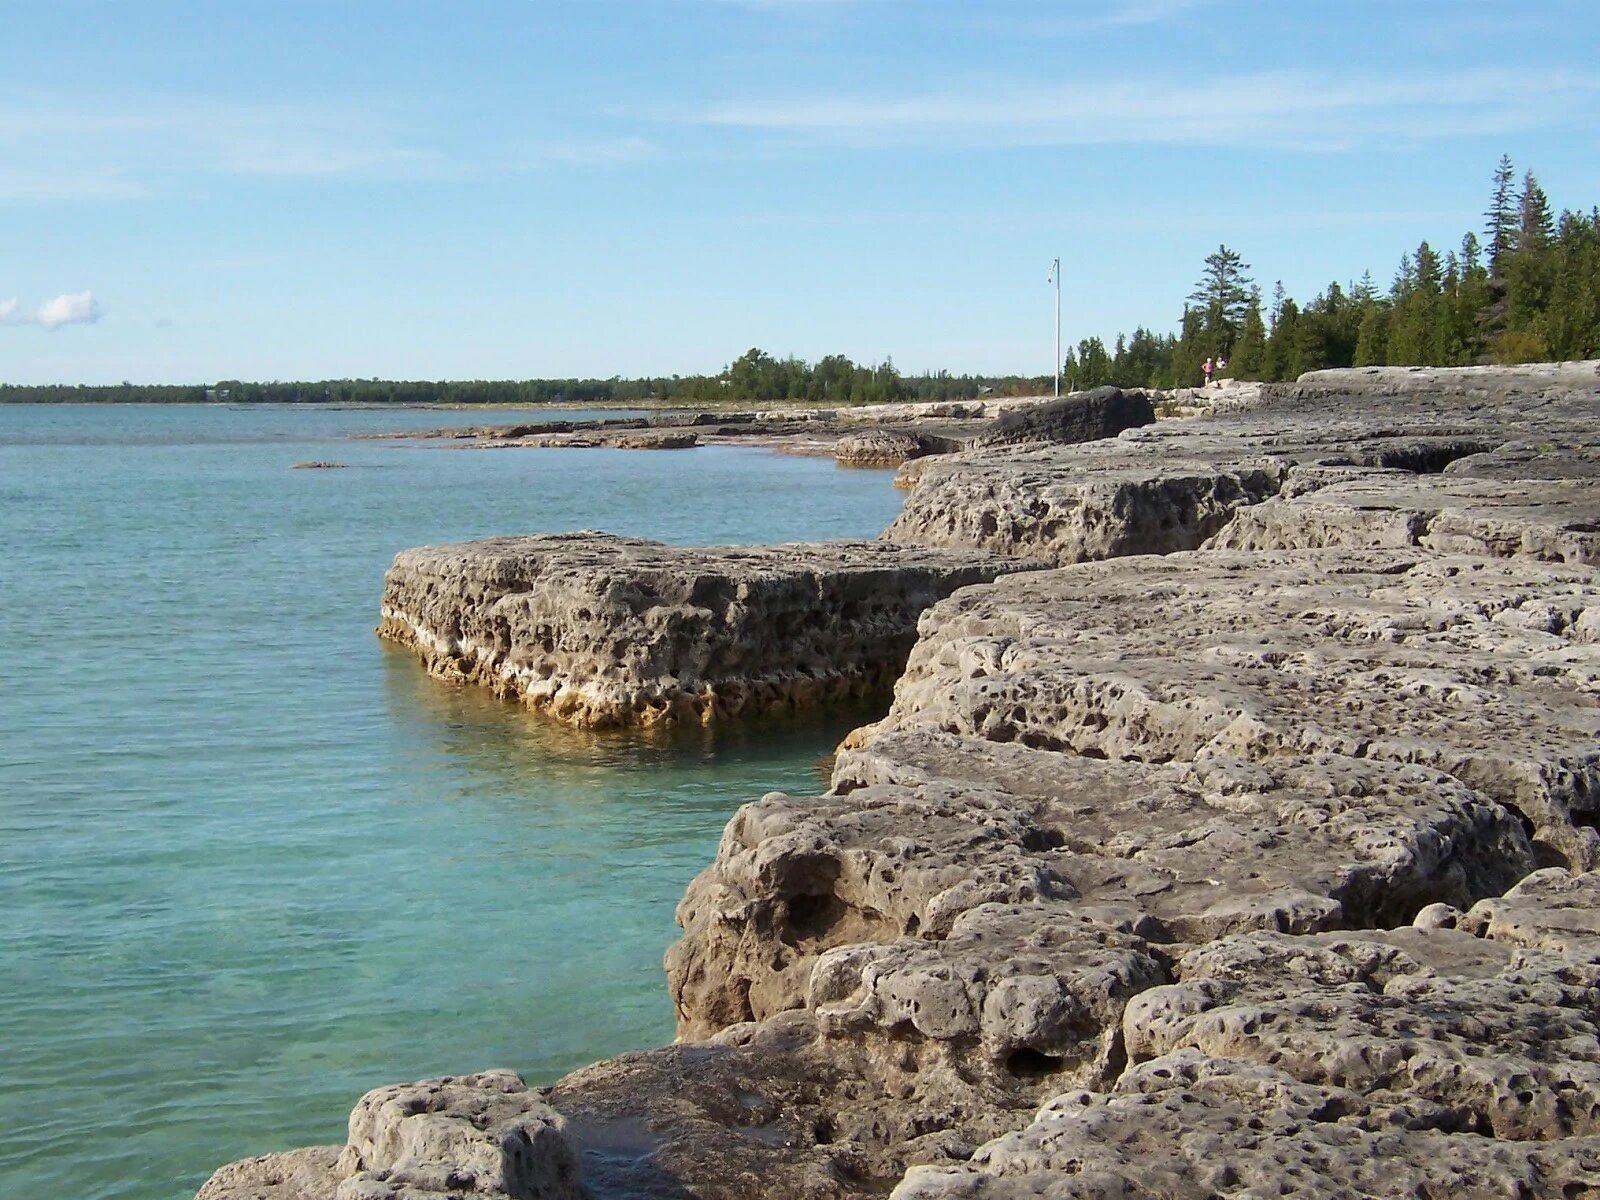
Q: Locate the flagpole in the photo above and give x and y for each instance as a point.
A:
(1055, 273)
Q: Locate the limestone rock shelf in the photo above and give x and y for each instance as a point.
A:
(597, 630)
(1265, 866)
(1171, 486)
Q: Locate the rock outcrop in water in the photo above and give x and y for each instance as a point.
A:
(596, 630)
(1264, 868)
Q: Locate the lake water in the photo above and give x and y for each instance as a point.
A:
(252, 861)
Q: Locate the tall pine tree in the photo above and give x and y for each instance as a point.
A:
(1222, 298)
(1501, 215)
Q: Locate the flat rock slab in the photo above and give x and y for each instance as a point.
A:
(597, 439)
(1484, 669)
(597, 630)
(1470, 383)
(1552, 517)
(1172, 485)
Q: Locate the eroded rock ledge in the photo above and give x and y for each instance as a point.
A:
(597, 630)
(1265, 868)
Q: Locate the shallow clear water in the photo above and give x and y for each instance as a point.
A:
(253, 862)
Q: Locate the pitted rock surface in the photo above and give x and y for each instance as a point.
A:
(1174, 484)
(1190, 1127)
(1550, 909)
(1471, 384)
(1553, 519)
(879, 448)
(597, 630)
(1236, 872)
(785, 1107)
(1001, 839)
(484, 1134)
(1436, 1028)
(1481, 668)
(451, 1138)
(310, 1174)
(1066, 504)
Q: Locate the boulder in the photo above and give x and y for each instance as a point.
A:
(878, 448)
(1080, 417)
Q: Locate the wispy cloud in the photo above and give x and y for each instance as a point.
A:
(586, 152)
(8, 309)
(68, 147)
(77, 146)
(43, 185)
(1080, 17)
(1301, 110)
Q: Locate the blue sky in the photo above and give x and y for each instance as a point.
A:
(322, 188)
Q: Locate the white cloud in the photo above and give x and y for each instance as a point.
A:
(69, 308)
(8, 309)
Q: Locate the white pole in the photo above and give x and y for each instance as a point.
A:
(1055, 274)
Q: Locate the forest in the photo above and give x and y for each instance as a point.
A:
(1529, 291)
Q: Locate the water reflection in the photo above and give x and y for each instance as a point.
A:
(494, 737)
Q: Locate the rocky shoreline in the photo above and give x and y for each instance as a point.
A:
(877, 435)
(1249, 850)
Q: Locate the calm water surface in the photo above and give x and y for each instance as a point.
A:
(252, 862)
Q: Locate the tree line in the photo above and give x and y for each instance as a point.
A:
(1528, 292)
(755, 378)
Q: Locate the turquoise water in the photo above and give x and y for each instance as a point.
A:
(253, 862)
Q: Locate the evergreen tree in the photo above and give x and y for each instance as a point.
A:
(1089, 369)
(1501, 215)
(1413, 321)
(1571, 322)
(1146, 360)
(1282, 358)
(1529, 268)
(1222, 297)
(1534, 226)
(1189, 352)
(1372, 337)
(1250, 352)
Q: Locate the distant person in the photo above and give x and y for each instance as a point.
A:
(1206, 366)
(1222, 365)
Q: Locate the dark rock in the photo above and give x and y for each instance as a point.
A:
(1083, 417)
